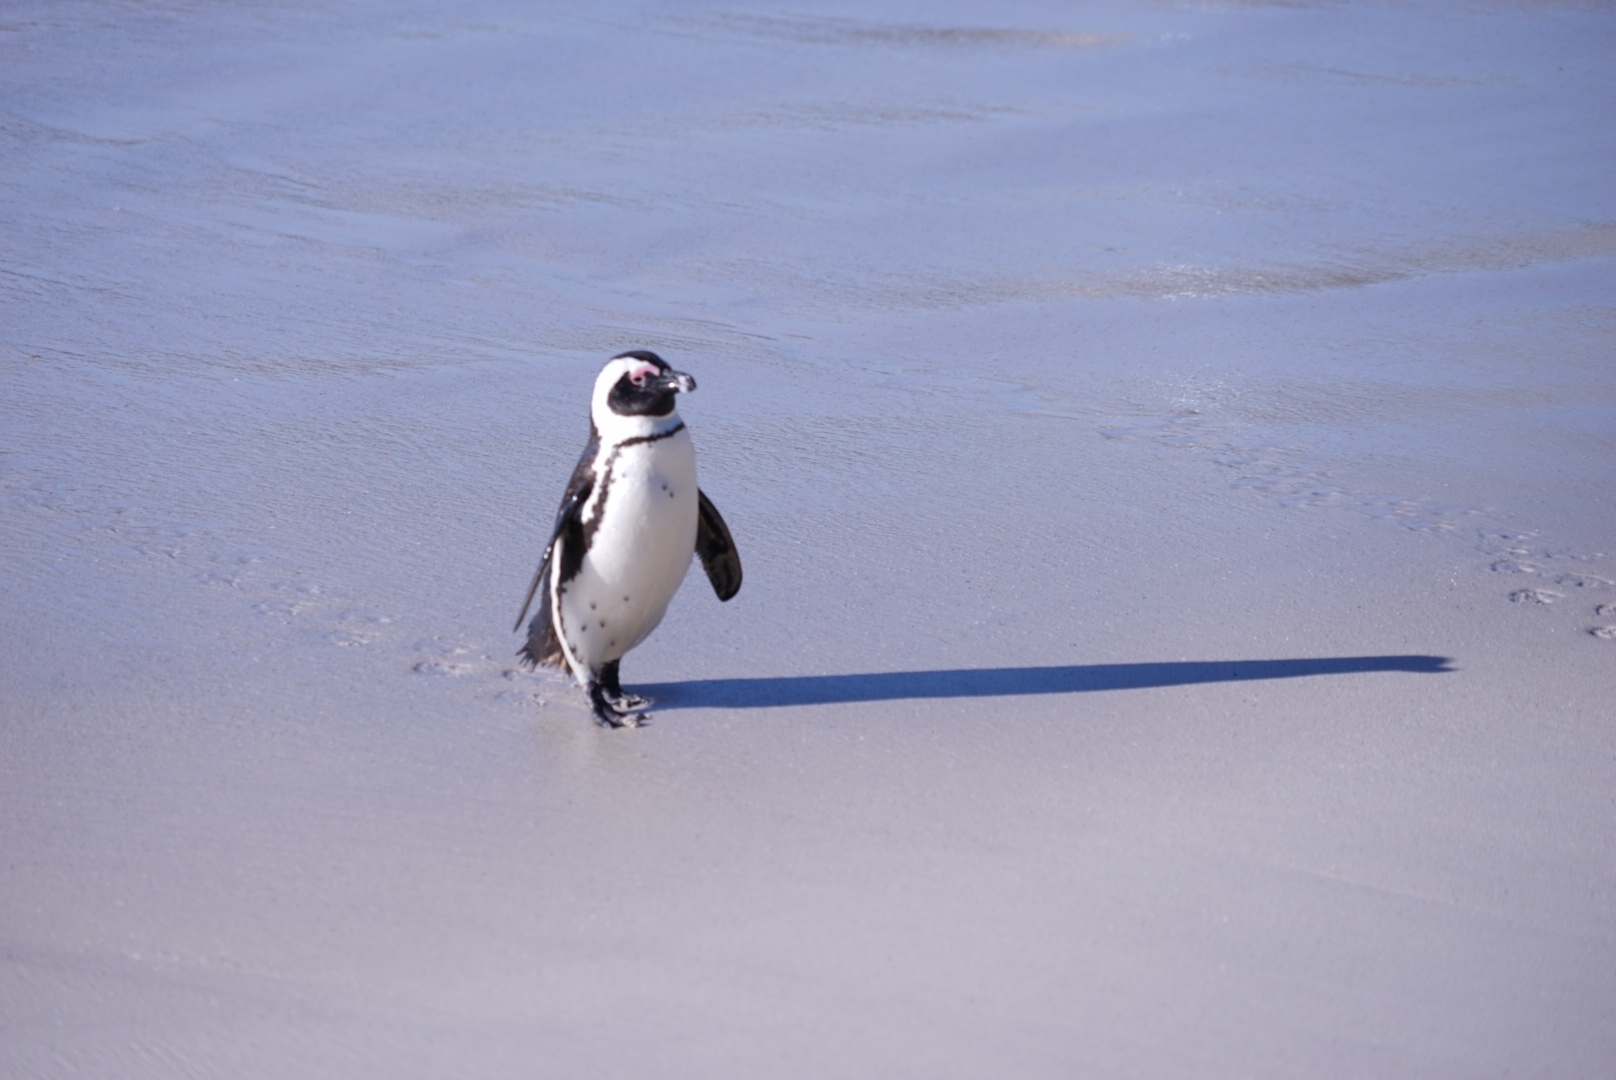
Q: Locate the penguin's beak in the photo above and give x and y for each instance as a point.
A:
(676, 381)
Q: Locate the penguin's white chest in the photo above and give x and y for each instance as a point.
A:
(641, 535)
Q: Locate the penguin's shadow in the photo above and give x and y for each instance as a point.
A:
(1009, 682)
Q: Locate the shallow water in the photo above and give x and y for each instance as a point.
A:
(1171, 450)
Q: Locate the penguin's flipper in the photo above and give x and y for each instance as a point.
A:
(577, 494)
(716, 548)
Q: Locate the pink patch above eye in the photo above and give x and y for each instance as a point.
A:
(642, 371)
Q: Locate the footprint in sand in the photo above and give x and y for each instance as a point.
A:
(518, 697)
(439, 667)
(1584, 581)
(358, 626)
(449, 658)
(1523, 553)
(1535, 596)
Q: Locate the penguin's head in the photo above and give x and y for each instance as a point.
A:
(635, 388)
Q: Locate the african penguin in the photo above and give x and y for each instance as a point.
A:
(629, 522)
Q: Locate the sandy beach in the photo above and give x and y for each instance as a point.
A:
(1172, 449)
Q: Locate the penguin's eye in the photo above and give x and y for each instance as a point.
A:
(641, 372)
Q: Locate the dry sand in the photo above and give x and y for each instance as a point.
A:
(1172, 452)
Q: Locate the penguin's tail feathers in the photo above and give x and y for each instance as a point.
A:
(542, 646)
(543, 650)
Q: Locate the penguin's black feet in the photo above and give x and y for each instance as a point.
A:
(608, 715)
(622, 702)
